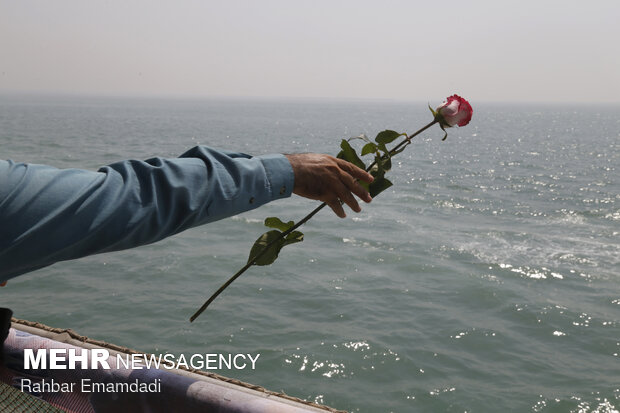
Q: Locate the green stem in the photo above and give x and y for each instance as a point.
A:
(407, 140)
(252, 261)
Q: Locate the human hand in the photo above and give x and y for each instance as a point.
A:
(328, 179)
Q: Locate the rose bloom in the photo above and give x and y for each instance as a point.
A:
(455, 111)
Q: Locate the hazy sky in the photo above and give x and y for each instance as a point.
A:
(417, 50)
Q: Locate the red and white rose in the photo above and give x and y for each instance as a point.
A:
(454, 111)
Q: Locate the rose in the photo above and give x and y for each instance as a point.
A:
(455, 111)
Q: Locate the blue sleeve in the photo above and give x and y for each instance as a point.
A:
(49, 215)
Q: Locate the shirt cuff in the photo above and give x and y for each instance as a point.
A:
(280, 175)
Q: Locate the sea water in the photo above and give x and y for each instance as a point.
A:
(486, 279)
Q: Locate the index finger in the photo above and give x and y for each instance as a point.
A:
(354, 171)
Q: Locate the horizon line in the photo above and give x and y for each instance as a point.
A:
(198, 97)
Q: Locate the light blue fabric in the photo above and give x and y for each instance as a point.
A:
(49, 215)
